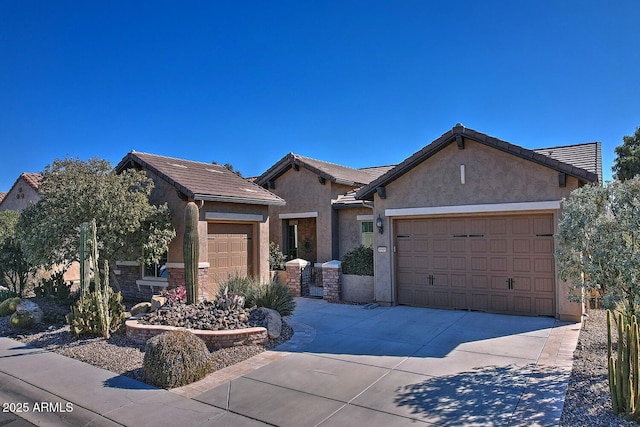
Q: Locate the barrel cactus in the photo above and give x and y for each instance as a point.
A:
(191, 253)
(21, 320)
(176, 358)
(8, 306)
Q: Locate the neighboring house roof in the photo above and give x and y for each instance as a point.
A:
(587, 156)
(457, 135)
(33, 179)
(201, 181)
(329, 171)
(3, 194)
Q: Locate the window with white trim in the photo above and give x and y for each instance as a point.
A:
(367, 233)
(156, 270)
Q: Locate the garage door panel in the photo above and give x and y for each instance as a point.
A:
(543, 245)
(458, 280)
(521, 246)
(479, 282)
(501, 264)
(498, 246)
(521, 265)
(479, 264)
(229, 251)
(545, 306)
(479, 302)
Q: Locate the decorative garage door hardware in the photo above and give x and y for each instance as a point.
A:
(468, 235)
(510, 282)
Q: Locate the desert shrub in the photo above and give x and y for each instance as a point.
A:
(54, 287)
(6, 294)
(176, 358)
(276, 257)
(240, 285)
(84, 317)
(175, 295)
(229, 301)
(275, 296)
(358, 261)
(8, 306)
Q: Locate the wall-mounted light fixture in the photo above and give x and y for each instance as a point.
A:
(379, 224)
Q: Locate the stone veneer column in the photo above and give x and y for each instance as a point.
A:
(331, 284)
(294, 268)
(175, 278)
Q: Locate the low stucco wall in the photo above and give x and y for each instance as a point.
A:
(357, 288)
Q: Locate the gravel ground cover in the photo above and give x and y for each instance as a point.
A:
(587, 403)
(118, 354)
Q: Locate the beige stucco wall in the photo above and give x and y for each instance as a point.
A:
(349, 228)
(492, 176)
(303, 193)
(19, 197)
(165, 192)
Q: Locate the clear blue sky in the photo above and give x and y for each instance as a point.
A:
(360, 83)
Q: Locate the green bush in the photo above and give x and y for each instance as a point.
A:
(54, 287)
(176, 358)
(358, 261)
(84, 317)
(6, 294)
(8, 306)
(276, 257)
(275, 296)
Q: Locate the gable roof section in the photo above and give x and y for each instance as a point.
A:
(587, 156)
(201, 181)
(458, 134)
(329, 171)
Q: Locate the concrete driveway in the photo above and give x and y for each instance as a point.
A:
(393, 366)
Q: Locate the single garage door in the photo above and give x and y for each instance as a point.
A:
(229, 251)
(500, 264)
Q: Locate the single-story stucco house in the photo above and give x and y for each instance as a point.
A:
(233, 227)
(468, 222)
(321, 219)
(465, 223)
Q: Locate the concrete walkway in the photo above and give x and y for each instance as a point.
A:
(346, 365)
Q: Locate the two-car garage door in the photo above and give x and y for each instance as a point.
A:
(501, 264)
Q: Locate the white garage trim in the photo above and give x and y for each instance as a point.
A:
(233, 216)
(298, 215)
(467, 209)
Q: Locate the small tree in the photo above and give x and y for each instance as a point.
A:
(599, 243)
(14, 268)
(627, 162)
(73, 192)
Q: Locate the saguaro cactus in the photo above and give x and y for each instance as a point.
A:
(190, 251)
(624, 374)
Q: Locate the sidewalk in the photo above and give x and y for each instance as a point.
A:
(54, 390)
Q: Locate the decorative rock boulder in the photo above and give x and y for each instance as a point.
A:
(142, 307)
(27, 313)
(157, 301)
(274, 322)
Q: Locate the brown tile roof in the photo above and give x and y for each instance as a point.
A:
(33, 179)
(587, 156)
(329, 171)
(201, 181)
(3, 194)
(457, 135)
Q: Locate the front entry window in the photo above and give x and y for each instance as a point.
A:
(156, 270)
